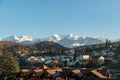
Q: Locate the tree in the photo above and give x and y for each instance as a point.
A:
(109, 42)
(62, 49)
(106, 43)
(9, 65)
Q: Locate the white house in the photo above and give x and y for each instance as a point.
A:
(101, 60)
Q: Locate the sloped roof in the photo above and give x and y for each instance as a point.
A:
(25, 70)
(77, 72)
(38, 70)
(53, 71)
(95, 72)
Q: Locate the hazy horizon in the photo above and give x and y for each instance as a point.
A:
(94, 18)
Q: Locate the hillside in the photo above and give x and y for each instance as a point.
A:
(16, 47)
(50, 46)
(47, 46)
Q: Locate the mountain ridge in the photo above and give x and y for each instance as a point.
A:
(69, 40)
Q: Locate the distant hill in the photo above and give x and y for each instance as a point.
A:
(50, 46)
(7, 44)
(13, 47)
(16, 47)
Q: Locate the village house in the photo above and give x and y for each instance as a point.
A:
(62, 73)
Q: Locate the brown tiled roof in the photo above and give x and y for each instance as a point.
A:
(77, 72)
(25, 70)
(38, 70)
(53, 71)
(95, 72)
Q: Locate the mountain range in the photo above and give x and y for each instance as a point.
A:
(69, 40)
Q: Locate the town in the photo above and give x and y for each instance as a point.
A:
(59, 40)
(96, 62)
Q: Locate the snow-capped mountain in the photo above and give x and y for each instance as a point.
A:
(23, 39)
(90, 40)
(11, 38)
(74, 41)
(73, 37)
(69, 40)
(54, 38)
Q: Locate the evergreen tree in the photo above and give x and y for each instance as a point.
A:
(106, 43)
(109, 42)
(62, 49)
(9, 65)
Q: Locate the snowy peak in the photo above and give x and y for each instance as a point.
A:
(25, 38)
(54, 38)
(11, 38)
(58, 37)
(17, 39)
(72, 36)
(72, 40)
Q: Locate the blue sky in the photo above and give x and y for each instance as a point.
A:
(43, 18)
